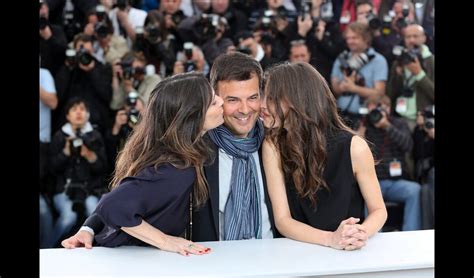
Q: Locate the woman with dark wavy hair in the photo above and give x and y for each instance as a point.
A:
(318, 172)
(161, 163)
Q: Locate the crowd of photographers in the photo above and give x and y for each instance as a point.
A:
(99, 61)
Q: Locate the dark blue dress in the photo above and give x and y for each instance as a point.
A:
(160, 197)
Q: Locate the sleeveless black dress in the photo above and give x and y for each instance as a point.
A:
(343, 200)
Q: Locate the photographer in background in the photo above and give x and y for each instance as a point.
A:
(129, 76)
(107, 46)
(423, 152)
(411, 83)
(79, 163)
(358, 74)
(392, 140)
(247, 44)
(190, 59)
(125, 19)
(316, 25)
(53, 42)
(385, 38)
(83, 76)
(157, 44)
(173, 16)
(125, 120)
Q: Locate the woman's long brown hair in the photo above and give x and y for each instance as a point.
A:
(170, 131)
(312, 115)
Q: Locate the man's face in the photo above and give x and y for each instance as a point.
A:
(355, 42)
(274, 4)
(44, 10)
(362, 12)
(170, 6)
(87, 46)
(413, 35)
(219, 6)
(241, 104)
(299, 54)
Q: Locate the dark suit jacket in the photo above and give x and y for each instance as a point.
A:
(205, 221)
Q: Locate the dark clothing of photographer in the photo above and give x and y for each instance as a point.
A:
(325, 51)
(76, 167)
(390, 144)
(76, 14)
(162, 55)
(53, 50)
(236, 20)
(94, 86)
(423, 153)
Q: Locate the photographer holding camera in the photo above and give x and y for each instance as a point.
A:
(125, 19)
(316, 26)
(359, 74)
(78, 161)
(190, 59)
(83, 76)
(107, 46)
(392, 140)
(129, 76)
(126, 119)
(385, 38)
(53, 41)
(423, 152)
(173, 16)
(157, 44)
(411, 83)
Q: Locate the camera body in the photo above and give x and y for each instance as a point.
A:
(77, 193)
(84, 57)
(429, 115)
(129, 71)
(101, 29)
(43, 23)
(375, 115)
(91, 142)
(349, 64)
(305, 9)
(374, 22)
(208, 25)
(408, 56)
(133, 113)
(189, 64)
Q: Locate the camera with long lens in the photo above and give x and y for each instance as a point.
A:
(71, 57)
(305, 9)
(351, 63)
(386, 25)
(375, 115)
(153, 33)
(406, 56)
(402, 22)
(244, 49)
(374, 22)
(177, 18)
(133, 113)
(208, 25)
(189, 65)
(429, 115)
(139, 43)
(128, 71)
(100, 12)
(101, 29)
(84, 57)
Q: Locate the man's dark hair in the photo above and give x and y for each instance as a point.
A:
(235, 67)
